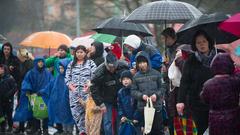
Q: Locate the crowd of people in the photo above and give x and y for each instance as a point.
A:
(106, 95)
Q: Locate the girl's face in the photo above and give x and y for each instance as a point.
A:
(126, 81)
(1, 71)
(40, 64)
(61, 69)
(202, 44)
(6, 50)
(62, 53)
(80, 54)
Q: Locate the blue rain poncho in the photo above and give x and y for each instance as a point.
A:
(35, 80)
(56, 96)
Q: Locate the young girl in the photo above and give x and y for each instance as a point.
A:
(78, 72)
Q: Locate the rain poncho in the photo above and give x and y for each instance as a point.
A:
(35, 80)
(57, 98)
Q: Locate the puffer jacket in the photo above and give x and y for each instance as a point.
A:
(147, 83)
(105, 85)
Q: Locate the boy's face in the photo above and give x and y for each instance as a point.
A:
(1, 71)
(62, 53)
(143, 66)
(61, 69)
(40, 64)
(126, 81)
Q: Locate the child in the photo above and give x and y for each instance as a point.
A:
(8, 87)
(35, 80)
(147, 84)
(57, 95)
(127, 106)
(78, 72)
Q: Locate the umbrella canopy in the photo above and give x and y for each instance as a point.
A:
(86, 41)
(46, 39)
(165, 11)
(208, 23)
(232, 25)
(105, 38)
(116, 26)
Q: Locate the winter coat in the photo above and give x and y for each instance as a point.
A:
(127, 105)
(105, 85)
(8, 87)
(147, 83)
(154, 55)
(24, 68)
(193, 77)
(35, 80)
(222, 95)
(57, 95)
(11, 61)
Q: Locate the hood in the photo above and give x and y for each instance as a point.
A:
(6, 71)
(36, 61)
(64, 63)
(142, 55)
(222, 64)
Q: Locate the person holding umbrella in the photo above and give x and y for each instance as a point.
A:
(196, 71)
(134, 44)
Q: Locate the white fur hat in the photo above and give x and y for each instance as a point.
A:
(133, 41)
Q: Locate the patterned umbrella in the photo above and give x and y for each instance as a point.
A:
(165, 11)
(208, 23)
(116, 26)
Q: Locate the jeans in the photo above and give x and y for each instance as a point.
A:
(107, 120)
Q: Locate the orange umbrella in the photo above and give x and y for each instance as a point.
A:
(46, 39)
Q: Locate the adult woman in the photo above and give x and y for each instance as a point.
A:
(195, 72)
(78, 72)
(222, 94)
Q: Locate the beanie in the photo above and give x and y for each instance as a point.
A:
(133, 41)
(126, 74)
(111, 60)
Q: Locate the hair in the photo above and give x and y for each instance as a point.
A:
(8, 44)
(99, 48)
(5, 68)
(64, 47)
(169, 32)
(202, 33)
(80, 47)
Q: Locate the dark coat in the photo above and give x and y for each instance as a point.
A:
(8, 87)
(147, 83)
(193, 77)
(105, 85)
(127, 105)
(11, 61)
(222, 95)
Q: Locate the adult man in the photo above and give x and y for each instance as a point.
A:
(135, 45)
(105, 85)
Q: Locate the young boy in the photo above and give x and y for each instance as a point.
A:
(127, 106)
(8, 87)
(147, 84)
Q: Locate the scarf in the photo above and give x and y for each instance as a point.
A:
(205, 59)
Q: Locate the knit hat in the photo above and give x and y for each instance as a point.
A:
(222, 64)
(126, 74)
(111, 61)
(133, 41)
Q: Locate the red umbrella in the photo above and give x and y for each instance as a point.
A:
(232, 25)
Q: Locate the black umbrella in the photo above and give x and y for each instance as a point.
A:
(116, 26)
(208, 23)
(165, 11)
